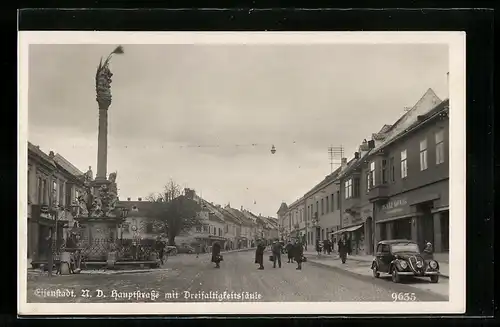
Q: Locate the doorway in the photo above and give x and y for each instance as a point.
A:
(369, 235)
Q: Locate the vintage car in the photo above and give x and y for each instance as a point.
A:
(403, 258)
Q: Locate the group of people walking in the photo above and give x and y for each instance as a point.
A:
(294, 250)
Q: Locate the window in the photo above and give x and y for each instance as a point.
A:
(371, 176)
(214, 230)
(338, 200)
(53, 198)
(355, 189)
(392, 168)
(220, 232)
(404, 167)
(61, 193)
(44, 192)
(423, 154)
(333, 204)
(322, 207)
(384, 171)
(39, 190)
(327, 204)
(198, 229)
(68, 195)
(348, 188)
(317, 207)
(205, 228)
(439, 147)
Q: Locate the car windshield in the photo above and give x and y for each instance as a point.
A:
(405, 247)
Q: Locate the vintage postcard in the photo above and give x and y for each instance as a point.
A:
(241, 173)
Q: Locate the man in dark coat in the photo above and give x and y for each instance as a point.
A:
(276, 249)
(289, 251)
(343, 248)
(259, 255)
(318, 247)
(298, 253)
(216, 257)
(160, 248)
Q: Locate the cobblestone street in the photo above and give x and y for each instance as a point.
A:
(186, 275)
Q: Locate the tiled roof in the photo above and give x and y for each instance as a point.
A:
(283, 208)
(66, 165)
(36, 150)
(240, 216)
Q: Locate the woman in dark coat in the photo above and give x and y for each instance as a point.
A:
(216, 257)
(298, 254)
(289, 251)
(259, 255)
(318, 247)
(343, 248)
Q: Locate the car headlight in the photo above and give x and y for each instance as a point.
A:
(403, 264)
(420, 264)
(433, 264)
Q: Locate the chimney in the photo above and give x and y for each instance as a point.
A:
(128, 199)
(51, 154)
(241, 208)
(139, 199)
(356, 155)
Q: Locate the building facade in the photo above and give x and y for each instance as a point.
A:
(381, 200)
(413, 201)
(54, 185)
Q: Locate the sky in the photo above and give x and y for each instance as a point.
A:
(206, 116)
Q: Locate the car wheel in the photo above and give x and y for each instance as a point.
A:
(395, 275)
(375, 272)
(434, 278)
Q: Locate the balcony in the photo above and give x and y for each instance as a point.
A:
(378, 193)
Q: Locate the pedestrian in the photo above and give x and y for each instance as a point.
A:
(428, 251)
(216, 257)
(328, 246)
(343, 248)
(298, 254)
(325, 246)
(259, 255)
(276, 249)
(50, 258)
(318, 247)
(197, 249)
(289, 251)
(160, 248)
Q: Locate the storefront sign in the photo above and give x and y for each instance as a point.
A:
(394, 204)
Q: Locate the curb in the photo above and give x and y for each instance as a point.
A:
(358, 260)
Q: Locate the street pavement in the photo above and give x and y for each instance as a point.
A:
(187, 276)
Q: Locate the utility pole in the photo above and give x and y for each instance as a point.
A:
(335, 154)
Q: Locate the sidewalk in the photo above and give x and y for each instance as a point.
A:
(443, 266)
(35, 272)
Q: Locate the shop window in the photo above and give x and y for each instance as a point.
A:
(423, 154)
(439, 147)
(404, 164)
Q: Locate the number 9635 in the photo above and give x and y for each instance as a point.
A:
(401, 296)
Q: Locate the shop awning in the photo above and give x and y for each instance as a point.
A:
(348, 229)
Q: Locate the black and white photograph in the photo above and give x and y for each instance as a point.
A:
(274, 173)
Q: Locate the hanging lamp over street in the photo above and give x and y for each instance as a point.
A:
(273, 149)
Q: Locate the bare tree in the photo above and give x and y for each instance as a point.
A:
(174, 211)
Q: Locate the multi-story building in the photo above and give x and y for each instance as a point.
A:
(283, 222)
(54, 185)
(322, 209)
(381, 200)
